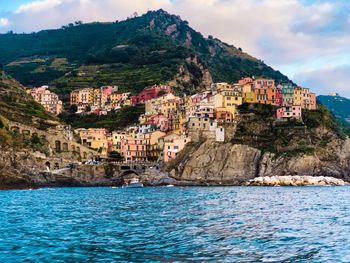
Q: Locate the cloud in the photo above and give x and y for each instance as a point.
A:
(328, 79)
(4, 22)
(44, 14)
(38, 6)
(291, 35)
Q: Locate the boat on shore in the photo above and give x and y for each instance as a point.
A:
(133, 183)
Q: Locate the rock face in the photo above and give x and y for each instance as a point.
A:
(17, 169)
(154, 177)
(332, 161)
(295, 181)
(219, 164)
(215, 163)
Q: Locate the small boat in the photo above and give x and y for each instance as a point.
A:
(133, 183)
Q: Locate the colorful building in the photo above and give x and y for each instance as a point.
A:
(278, 97)
(298, 98)
(245, 81)
(263, 84)
(149, 93)
(97, 139)
(312, 105)
(117, 137)
(289, 112)
(48, 99)
(142, 146)
(287, 94)
(173, 146)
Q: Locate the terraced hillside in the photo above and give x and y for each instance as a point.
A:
(153, 48)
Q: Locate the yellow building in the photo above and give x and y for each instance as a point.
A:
(247, 88)
(298, 96)
(222, 86)
(167, 104)
(117, 137)
(154, 151)
(249, 97)
(224, 103)
(96, 139)
(231, 99)
(86, 96)
(97, 98)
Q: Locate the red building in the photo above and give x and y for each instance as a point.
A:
(150, 93)
(278, 96)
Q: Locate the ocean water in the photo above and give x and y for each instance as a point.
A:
(191, 224)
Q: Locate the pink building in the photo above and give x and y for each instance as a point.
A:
(289, 112)
(312, 101)
(48, 99)
(150, 93)
(173, 147)
(245, 81)
(106, 90)
(205, 111)
(160, 121)
(263, 83)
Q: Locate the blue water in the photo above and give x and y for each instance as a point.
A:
(233, 224)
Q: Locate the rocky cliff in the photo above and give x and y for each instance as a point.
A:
(216, 163)
(260, 147)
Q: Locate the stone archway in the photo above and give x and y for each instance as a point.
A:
(65, 147)
(26, 133)
(15, 129)
(129, 173)
(58, 146)
(48, 165)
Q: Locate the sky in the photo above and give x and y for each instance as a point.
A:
(307, 40)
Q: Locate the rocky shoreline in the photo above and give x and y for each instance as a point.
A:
(296, 181)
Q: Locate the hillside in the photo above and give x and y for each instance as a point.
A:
(17, 105)
(256, 147)
(153, 48)
(339, 106)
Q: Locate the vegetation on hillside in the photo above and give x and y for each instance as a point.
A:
(257, 128)
(113, 121)
(339, 106)
(133, 53)
(17, 105)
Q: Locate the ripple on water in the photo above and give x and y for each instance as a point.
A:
(248, 224)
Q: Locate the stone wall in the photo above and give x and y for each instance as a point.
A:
(61, 146)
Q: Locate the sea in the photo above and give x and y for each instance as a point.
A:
(176, 224)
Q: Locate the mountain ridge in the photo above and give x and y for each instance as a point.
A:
(156, 47)
(338, 105)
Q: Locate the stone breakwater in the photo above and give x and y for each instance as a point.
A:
(295, 181)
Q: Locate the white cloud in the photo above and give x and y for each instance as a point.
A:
(4, 22)
(38, 6)
(328, 79)
(285, 34)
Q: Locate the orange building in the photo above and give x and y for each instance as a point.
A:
(266, 95)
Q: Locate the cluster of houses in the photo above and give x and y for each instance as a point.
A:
(99, 100)
(170, 121)
(48, 99)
